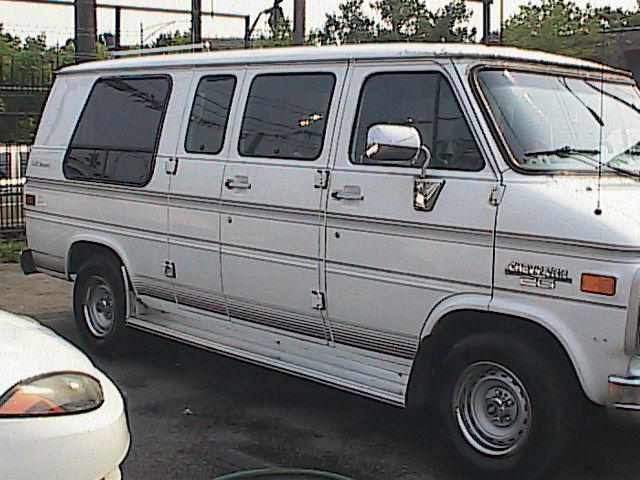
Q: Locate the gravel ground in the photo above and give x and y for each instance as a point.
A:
(196, 415)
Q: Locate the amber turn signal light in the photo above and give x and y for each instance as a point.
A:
(599, 284)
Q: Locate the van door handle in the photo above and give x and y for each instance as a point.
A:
(239, 182)
(349, 192)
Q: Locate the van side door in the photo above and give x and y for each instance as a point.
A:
(194, 193)
(388, 263)
(272, 198)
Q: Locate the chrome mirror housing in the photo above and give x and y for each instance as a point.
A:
(402, 144)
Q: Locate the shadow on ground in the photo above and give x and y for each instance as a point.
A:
(196, 415)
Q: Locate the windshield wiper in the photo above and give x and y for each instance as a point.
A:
(563, 82)
(626, 103)
(562, 152)
(568, 151)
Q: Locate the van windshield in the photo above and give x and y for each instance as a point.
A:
(563, 123)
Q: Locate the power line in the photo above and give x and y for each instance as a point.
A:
(85, 31)
(137, 8)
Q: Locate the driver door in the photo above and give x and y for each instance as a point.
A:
(388, 263)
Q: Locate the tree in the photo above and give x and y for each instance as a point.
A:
(400, 19)
(555, 26)
(350, 25)
(450, 24)
(397, 20)
(172, 39)
(31, 64)
(280, 35)
(561, 26)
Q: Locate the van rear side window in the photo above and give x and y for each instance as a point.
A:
(116, 137)
(209, 114)
(286, 116)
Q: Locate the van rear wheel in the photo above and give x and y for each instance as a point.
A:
(99, 305)
(505, 406)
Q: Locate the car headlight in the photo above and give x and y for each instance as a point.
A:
(52, 394)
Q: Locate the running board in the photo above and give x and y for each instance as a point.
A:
(263, 361)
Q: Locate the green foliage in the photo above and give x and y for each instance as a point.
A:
(561, 26)
(10, 250)
(351, 25)
(28, 63)
(450, 24)
(279, 37)
(172, 39)
(400, 19)
(397, 20)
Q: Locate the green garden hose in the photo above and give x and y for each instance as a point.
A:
(282, 472)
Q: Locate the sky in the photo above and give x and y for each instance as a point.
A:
(24, 19)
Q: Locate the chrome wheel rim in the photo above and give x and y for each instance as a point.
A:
(492, 409)
(99, 307)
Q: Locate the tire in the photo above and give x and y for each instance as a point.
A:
(99, 305)
(508, 407)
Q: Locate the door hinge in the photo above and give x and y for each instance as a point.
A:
(496, 195)
(171, 166)
(318, 301)
(169, 269)
(321, 180)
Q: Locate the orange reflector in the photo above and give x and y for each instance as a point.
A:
(600, 284)
(30, 199)
(21, 403)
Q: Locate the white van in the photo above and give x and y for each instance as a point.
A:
(451, 226)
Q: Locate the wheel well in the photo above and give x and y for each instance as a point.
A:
(457, 325)
(80, 252)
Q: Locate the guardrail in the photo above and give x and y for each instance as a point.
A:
(13, 168)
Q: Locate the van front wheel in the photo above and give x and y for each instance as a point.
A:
(99, 305)
(505, 406)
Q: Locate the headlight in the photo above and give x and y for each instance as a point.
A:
(52, 394)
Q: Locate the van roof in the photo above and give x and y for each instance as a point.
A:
(334, 53)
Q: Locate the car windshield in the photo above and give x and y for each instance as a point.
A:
(564, 123)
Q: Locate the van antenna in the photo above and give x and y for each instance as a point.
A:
(603, 24)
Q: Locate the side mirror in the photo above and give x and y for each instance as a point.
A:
(402, 144)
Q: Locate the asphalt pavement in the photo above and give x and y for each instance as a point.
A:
(197, 415)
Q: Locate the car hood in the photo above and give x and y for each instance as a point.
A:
(563, 209)
(28, 349)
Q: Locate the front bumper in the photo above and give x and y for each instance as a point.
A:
(623, 398)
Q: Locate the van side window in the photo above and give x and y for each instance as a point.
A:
(117, 135)
(286, 116)
(209, 114)
(425, 101)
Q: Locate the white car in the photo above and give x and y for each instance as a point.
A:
(60, 417)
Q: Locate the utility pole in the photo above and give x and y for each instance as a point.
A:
(141, 35)
(196, 21)
(85, 29)
(299, 17)
(486, 21)
(501, 19)
(117, 37)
